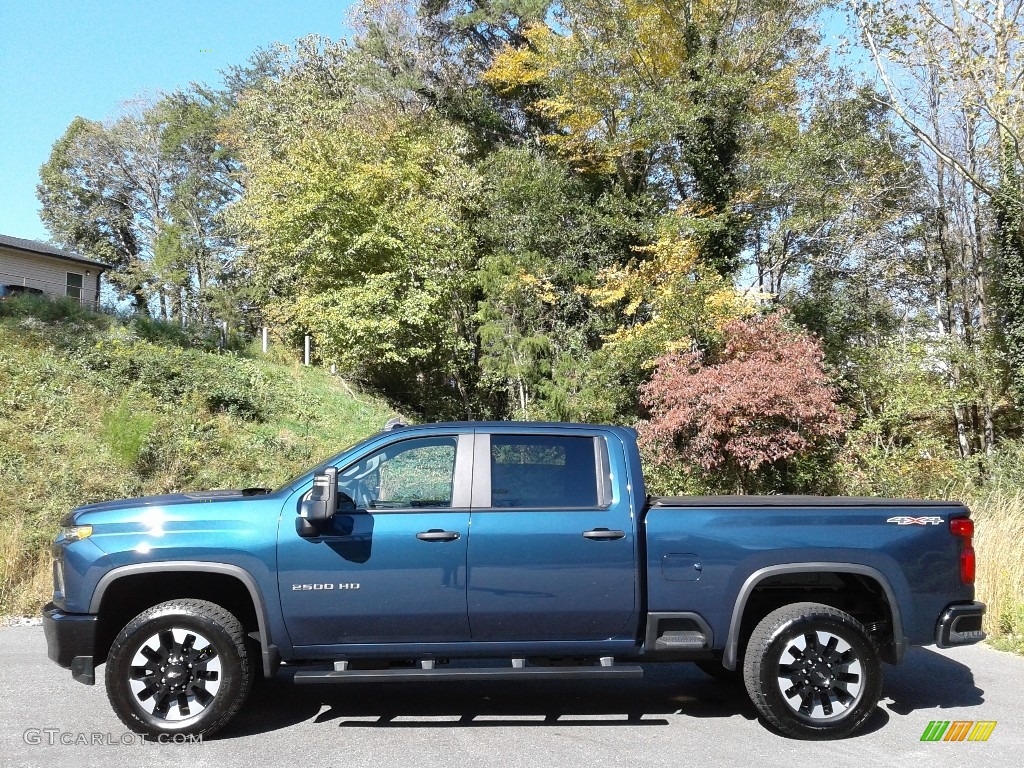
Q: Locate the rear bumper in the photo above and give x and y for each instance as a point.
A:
(960, 625)
(71, 641)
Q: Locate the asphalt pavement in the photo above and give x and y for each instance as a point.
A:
(674, 717)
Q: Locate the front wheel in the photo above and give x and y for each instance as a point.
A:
(179, 668)
(812, 671)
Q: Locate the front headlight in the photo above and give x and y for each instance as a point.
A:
(76, 532)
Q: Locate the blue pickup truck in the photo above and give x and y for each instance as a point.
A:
(502, 551)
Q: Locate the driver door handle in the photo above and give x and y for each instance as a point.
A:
(435, 534)
(603, 534)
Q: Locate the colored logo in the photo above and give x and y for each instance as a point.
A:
(958, 730)
(903, 520)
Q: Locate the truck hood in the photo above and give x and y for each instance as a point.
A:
(165, 500)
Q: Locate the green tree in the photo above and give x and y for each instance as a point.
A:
(836, 194)
(204, 183)
(355, 220)
(146, 193)
(902, 442)
(90, 203)
(464, 37)
(667, 97)
(953, 73)
(544, 234)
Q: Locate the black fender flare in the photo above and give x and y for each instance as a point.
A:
(732, 642)
(270, 652)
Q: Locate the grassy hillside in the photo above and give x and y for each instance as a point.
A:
(92, 408)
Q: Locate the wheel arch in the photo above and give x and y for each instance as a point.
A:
(238, 589)
(730, 655)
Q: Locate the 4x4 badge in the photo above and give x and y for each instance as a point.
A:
(903, 520)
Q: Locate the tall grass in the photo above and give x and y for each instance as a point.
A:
(25, 571)
(999, 543)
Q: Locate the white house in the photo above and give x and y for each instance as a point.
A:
(55, 272)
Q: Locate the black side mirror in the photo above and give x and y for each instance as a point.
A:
(321, 504)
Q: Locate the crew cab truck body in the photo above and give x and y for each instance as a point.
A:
(493, 551)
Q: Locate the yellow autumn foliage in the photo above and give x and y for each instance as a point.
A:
(667, 297)
(513, 68)
(541, 287)
(611, 74)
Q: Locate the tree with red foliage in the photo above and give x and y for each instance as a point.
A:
(761, 400)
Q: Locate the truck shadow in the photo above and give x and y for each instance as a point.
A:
(927, 680)
(665, 689)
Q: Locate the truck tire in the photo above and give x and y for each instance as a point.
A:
(812, 671)
(180, 668)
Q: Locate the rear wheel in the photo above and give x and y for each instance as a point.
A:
(812, 671)
(181, 667)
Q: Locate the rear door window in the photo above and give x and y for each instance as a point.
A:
(543, 471)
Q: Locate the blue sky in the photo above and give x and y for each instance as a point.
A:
(62, 58)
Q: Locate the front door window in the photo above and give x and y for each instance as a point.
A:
(412, 473)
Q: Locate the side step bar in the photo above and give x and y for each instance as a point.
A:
(427, 671)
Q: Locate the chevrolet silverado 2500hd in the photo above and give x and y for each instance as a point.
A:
(491, 551)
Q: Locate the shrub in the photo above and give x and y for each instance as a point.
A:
(999, 520)
(52, 310)
(1005, 468)
(174, 375)
(902, 443)
(160, 331)
(125, 431)
(759, 402)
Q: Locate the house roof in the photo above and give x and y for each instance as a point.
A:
(31, 246)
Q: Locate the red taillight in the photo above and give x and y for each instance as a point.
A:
(967, 565)
(964, 528)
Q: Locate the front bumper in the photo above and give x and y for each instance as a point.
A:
(960, 624)
(71, 641)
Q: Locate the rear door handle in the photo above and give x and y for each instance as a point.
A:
(435, 534)
(603, 534)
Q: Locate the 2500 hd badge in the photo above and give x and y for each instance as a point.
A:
(323, 587)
